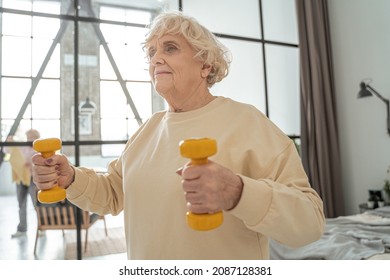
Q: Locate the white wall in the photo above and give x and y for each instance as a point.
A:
(360, 34)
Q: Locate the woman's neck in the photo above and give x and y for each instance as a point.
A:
(194, 102)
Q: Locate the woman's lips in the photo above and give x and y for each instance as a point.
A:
(161, 73)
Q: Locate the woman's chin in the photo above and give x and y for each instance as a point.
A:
(164, 91)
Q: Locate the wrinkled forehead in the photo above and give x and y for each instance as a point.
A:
(167, 39)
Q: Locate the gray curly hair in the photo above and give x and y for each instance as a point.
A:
(207, 47)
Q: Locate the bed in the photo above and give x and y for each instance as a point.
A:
(354, 237)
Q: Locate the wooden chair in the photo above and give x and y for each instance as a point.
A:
(62, 216)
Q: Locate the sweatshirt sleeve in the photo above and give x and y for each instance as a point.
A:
(280, 203)
(98, 193)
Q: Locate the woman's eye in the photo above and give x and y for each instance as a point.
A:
(151, 53)
(170, 48)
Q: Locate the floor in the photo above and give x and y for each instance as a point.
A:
(51, 246)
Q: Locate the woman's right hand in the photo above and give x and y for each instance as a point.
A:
(52, 171)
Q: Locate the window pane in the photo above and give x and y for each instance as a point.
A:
(280, 23)
(127, 15)
(69, 151)
(106, 70)
(118, 51)
(125, 46)
(112, 151)
(16, 56)
(50, 7)
(137, 16)
(110, 13)
(113, 101)
(48, 128)
(45, 27)
(99, 160)
(19, 5)
(132, 127)
(135, 59)
(226, 16)
(24, 125)
(46, 100)
(141, 94)
(114, 129)
(14, 92)
(112, 33)
(53, 67)
(245, 82)
(16, 25)
(40, 48)
(283, 87)
(169, 5)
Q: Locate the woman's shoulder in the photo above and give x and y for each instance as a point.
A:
(154, 118)
(245, 109)
(255, 119)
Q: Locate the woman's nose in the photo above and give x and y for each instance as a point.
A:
(157, 59)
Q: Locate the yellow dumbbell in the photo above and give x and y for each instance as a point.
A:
(198, 150)
(47, 148)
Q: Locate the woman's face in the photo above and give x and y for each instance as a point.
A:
(175, 73)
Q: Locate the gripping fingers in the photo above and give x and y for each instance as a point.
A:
(46, 185)
(198, 203)
(199, 208)
(193, 198)
(45, 177)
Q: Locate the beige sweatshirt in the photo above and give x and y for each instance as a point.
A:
(277, 201)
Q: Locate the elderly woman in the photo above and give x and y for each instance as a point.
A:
(256, 178)
(20, 160)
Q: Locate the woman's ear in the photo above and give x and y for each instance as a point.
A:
(206, 69)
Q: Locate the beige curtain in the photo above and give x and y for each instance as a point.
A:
(319, 132)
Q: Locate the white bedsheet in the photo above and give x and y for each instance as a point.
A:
(354, 237)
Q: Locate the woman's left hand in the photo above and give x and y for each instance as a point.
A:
(210, 188)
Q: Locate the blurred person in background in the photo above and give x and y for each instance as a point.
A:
(20, 160)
